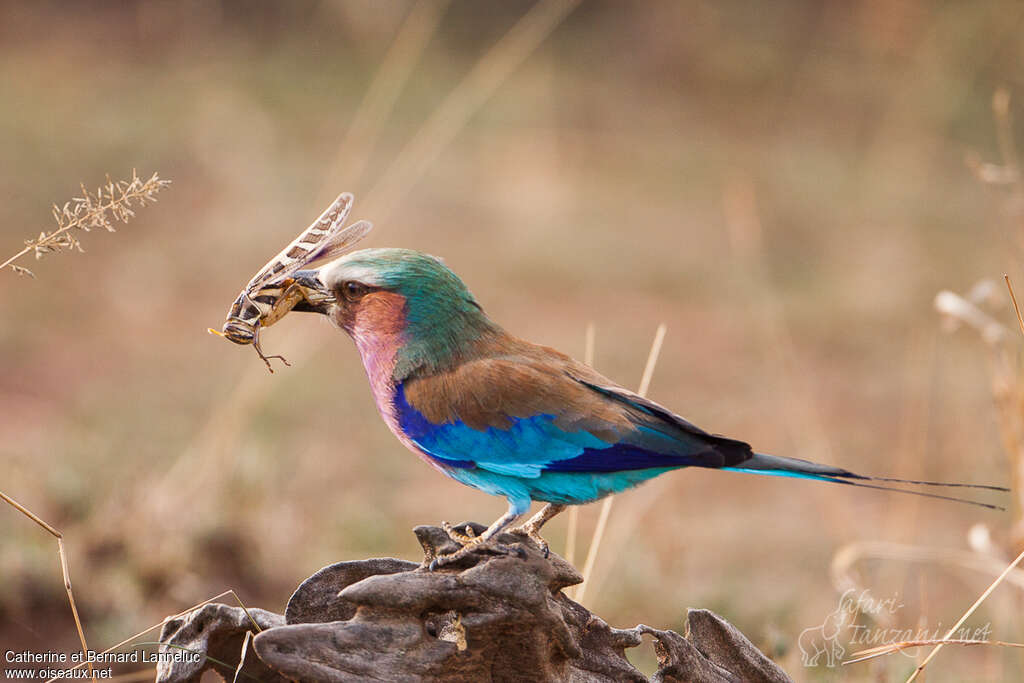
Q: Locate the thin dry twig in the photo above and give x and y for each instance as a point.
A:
(977, 603)
(882, 650)
(63, 567)
(1007, 387)
(1007, 380)
(606, 506)
(574, 511)
(1016, 308)
(466, 99)
(113, 201)
(226, 420)
(182, 613)
(402, 56)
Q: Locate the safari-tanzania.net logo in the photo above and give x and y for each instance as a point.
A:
(842, 632)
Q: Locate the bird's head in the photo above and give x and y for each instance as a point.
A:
(397, 300)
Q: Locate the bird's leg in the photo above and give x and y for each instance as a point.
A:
(531, 527)
(458, 536)
(475, 542)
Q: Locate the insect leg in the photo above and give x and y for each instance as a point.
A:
(259, 349)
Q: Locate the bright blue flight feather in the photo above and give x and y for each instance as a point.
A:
(533, 445)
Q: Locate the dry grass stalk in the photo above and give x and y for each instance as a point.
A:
(1007, 381)
(1013, 298)
(571, 531)
(63, 567)
(1007, 378)
(1007, 375)
(574, 511)
(402, 56)
(977, 603)
(606, 506)
(882, 650)
(227, 420)
(131, 639)
(466, 99)
(745, 237)
(113, 201)
(1013, 413)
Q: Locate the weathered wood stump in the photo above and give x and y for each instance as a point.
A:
(491, 617)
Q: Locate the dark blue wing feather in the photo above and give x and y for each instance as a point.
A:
(529, 446)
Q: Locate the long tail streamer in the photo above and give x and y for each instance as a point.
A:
(774, 465)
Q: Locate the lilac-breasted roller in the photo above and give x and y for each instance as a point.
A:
(505, 416)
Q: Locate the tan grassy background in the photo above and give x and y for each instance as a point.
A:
(783, 184)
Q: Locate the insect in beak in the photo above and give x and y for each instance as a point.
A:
(280, 286)
(316, 298)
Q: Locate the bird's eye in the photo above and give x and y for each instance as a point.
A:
(354, 290)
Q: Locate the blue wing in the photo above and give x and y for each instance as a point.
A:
(535, 425)
(528, 445)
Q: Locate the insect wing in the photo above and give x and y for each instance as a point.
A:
(296, 254)
(340, 243)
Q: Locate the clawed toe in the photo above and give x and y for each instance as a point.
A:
(487, 540)
(475, 543)
(507, 550)
(462, 539)
(533, 536)
(442, 560)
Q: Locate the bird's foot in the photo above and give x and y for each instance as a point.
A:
(473, 544)
(462, 539)
(533, 533)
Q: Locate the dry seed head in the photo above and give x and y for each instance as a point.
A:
(110, 202)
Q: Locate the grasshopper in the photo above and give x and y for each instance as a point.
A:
(274, 292)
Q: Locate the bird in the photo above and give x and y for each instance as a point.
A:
(510, 417)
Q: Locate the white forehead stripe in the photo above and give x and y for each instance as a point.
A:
(340, 271)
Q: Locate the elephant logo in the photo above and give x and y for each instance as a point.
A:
(824, 639)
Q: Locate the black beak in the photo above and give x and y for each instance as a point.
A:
(316, 298)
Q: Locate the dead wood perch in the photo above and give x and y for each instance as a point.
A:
(488, 618)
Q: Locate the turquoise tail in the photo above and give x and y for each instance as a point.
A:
(804, 469)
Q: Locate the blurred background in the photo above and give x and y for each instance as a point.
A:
(785, 185)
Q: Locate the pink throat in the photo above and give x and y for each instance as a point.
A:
(378, 330)
(379, 354)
